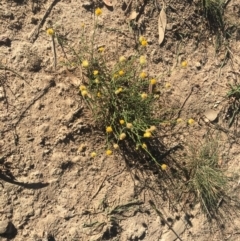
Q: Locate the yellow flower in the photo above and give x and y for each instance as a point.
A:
(144, 43)
(108, 152)
(50, 31)
(122, 59)
(119, 90)
(85, 64)
(153, 128)
(115, 146)
(82, 87)
(101, 49)
(98, 94)
(153, 81)
(83, 25)
(115, 76)
(179, 120)
(164, 167)
(96, 81)
(143, 75)
(93, 154)
(122, 136)
(144, 96)
(98, 11)
(144, 146)
(122, 122)
(184, 64)
(129, 125)
(84, 93)
(191, 121)
(95, 72)
(142, 60)
(147, 134)
(109, 129)
(167, 85)
(121, 73)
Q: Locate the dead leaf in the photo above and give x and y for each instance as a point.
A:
(162, 23)
(108, 3)
(132, 15)
(211, 115)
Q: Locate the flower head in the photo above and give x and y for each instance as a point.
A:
(108, 152)
(84, 93)
(153, 81)
(144, 146)
(164, 167)
(129, 125)
(144, 96)
(109, 129)
(122, 59)
(144, 43)
(121, 73)
(96, 81)
(98, 11)
(101, 49)
(115, 76)
(184, 64)
(93, 154)
(115, 146)
(179, 120)
(85, 64)
(82, 87)
(143, 75)
(142, 60)
(191, 121)
(147, 134)
(121, 122)
(50, 31)
(119, 90)
(99, 94)
(122, 136)
(95, 72)
(167, 85)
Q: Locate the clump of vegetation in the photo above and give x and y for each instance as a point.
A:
(234, 103)
(207, 180)
(213, 10)
(120, 94)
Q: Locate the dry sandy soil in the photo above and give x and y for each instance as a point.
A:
(50, 187)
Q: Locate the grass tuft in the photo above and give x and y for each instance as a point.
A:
(213, 10)
(207, 180)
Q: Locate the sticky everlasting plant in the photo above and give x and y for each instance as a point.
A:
(119, 94)
(120, 101)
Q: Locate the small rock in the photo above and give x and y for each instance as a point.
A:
(56, 171)
(87, 4)
(211, 115)
(6, 227)
(169, 26)
(198, 65)
(82, 148)
(46, 151)
(3, 226)
(1, 93)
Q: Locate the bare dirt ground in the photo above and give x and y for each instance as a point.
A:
(58, 192)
